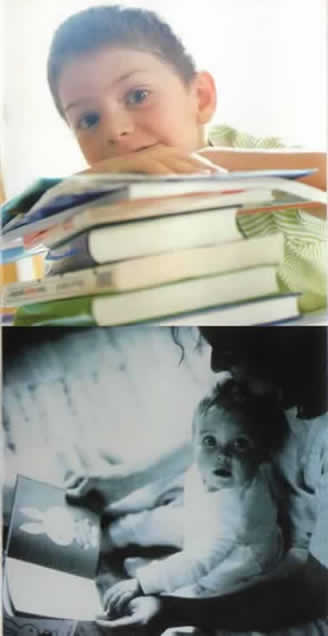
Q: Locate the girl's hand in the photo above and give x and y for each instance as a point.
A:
(119, 595)
(157, 160)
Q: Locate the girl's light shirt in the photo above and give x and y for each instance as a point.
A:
(302, 477)
(230, 536)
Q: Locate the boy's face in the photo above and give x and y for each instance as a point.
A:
(119, 101)
(224, 453)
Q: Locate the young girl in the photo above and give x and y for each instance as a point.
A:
(135, 102)
(231, 534)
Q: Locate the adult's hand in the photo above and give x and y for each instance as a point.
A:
(110, 484)
(115, 481)
(118, 596)
(143, 614)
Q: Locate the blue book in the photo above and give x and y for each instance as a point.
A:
(16, 207)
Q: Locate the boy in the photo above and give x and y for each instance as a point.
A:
(231, 535)
(135, 102)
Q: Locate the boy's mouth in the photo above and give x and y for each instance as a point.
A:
(145, 147)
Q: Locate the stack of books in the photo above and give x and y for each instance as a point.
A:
(163, 250)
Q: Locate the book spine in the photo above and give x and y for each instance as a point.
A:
(80, 283)
(73, 255)
(71, 312)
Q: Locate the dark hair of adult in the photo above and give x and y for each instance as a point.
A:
(115, 26)
(295, 359)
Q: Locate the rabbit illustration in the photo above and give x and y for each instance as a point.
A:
(60, 526)
(11, 628)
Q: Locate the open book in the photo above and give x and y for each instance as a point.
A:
(52, 555)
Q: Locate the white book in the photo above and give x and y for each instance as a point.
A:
(149, 271)
(262, 311)
(157, 302)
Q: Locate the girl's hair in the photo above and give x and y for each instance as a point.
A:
(116, 26)
(261, 414)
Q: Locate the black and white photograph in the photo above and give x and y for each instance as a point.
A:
(192, 462)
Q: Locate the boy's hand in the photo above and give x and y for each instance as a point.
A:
(156, 160)
(119, 595)
(142, 613)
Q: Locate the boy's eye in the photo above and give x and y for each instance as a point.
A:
(89, 120)
(241, 444)
(209, 441)
(137, 96)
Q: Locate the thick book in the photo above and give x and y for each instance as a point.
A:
(261, 311)
(136, 209)
(52, 554)
(114, 207)
(149, 271)
(142, 238)
(241, 202)
(69, 196)
(156, 302)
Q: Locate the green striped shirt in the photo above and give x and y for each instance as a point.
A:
(305, 265)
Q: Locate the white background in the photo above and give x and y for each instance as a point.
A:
(268, 58)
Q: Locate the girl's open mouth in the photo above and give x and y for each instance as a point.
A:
(222, 472)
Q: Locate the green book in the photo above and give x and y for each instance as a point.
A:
(156, 302)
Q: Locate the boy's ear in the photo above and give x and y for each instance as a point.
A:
(205, 90)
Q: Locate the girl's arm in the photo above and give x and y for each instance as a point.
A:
(245, 159)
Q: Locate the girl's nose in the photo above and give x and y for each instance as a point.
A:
(223, 453)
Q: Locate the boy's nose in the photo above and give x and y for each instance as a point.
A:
(118, 130)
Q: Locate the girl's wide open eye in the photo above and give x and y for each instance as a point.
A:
(241, 445)
(209, 441)
(88, 120)
(137, 96)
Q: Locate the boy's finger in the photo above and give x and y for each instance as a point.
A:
(155, 166)
(185, 166)
(208, 163)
